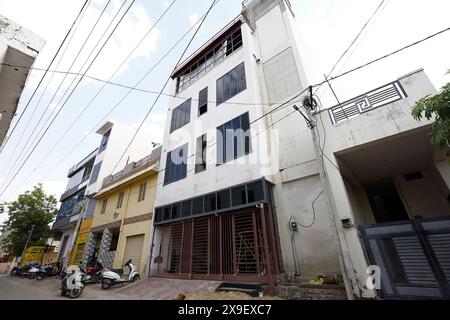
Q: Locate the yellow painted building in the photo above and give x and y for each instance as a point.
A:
(80, 242)
(125, 210)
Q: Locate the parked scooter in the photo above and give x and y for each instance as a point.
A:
(72, 284)
(34, 271)
(111, 277)
(21, 271)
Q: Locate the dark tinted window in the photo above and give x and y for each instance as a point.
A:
(176, 165)
(197, 205)
(223, 199)
(231, 84)
(167, 213)
(233, 139)
(104, 142)
(255, 191)
(238, 196)
(176, 211)
(210, 202)
(186, 208)
(203, 101)
(158, 215)
(200, 154)
(181, 115)
(95, 172)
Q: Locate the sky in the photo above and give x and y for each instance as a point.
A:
(326, 26)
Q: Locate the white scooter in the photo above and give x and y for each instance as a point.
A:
(111, 277)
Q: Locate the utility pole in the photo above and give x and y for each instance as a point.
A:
(77, 228)
(28, 240)
(345, 260)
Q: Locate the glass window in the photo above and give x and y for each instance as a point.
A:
(223, 199)
(104, 142)
(186, 208)
(158, 215)
(104, 204)
(197, 205)
(203, 102)
(238, 196)
(231, 84)
(210, 202)
(200, 156)
(120, 200)
(142, 189)
(176, 211)
(255, 191)
(95, 172)
(181, 116)
(167, 213)
(176, 164)
(233, 139)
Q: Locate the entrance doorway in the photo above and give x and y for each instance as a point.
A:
(387, 206)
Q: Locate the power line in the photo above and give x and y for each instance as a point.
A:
(354, 41)
(112, 76)
(165, 84)
(57, 90)
(79, 81)
(42, 79)
(318, 84)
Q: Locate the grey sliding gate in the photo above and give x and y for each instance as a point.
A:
(413, 256)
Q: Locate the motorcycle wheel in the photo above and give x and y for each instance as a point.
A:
(106, 284)
(75, 293)
(14, 272)
(99, 279)
(63, 293)
(40, 277)
(31, 276)
(136, 278)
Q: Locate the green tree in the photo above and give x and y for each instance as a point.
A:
(31, 208)
(437, 106)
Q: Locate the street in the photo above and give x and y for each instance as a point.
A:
(14, 288)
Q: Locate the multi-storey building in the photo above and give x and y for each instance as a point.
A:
(122, 223)
(77, 208)
(249, 191)
(18, 47)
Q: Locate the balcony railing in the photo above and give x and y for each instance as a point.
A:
(131, 169)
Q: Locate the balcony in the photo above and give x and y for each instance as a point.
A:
(133, 168)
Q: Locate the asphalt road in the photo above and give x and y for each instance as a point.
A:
(14, 288)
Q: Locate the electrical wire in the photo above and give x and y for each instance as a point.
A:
(56, 92)
(42, 79)
(164, 86)
(79, 81)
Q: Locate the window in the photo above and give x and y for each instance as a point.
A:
(186, 208)
(181, 116)
(203, 102)
(104, 204)
(120, 200)
(95, 172)
(233, 139)
(176, 164)
(238, 196)
(197, 205)
(142, 189)
(200, 156)
(231, 84)
(198, 68)
(104, 142)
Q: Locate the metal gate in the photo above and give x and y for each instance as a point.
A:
(413, 257)
(237, 245)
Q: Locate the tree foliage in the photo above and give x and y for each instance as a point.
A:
(437, 106)
(31, 208)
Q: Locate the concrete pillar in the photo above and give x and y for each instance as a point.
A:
(104, 256)
(90, 247)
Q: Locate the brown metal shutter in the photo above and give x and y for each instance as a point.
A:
(133, 250)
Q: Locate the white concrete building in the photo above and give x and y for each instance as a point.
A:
(252, 206)
(86, 179)
(18, 47)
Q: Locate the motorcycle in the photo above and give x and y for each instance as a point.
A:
(49, 270)
(72, 284)
(93, 273)
(111, 277)
(34, 271)
(21, 271)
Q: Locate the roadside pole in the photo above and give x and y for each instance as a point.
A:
(345, 261)
(26, 244)
(76, 230)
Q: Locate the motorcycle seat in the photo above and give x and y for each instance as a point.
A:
(118, 271)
